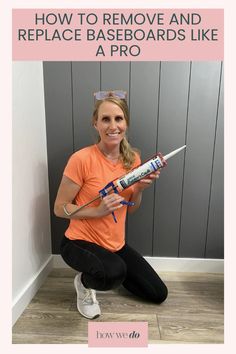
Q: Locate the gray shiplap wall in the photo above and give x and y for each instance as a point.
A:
(171, 104)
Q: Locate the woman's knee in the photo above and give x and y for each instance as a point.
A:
(162, 294)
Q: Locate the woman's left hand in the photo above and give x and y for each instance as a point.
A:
(147, 182)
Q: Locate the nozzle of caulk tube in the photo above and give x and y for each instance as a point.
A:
(166, 157)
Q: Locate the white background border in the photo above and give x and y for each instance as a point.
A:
(5, 182)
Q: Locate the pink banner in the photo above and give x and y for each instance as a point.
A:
(118, 34)
(117, 334)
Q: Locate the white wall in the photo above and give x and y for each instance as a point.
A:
(31, 239)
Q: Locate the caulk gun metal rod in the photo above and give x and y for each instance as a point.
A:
(84, 205)
(91, 201)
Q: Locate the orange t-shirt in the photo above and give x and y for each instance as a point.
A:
(92, 171)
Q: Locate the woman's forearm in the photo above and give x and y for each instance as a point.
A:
(107, 205)
(63, 211)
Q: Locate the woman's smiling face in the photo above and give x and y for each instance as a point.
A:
(111, 123)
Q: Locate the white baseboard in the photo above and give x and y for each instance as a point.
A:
(25, 296)
(165, 264)
(187, 265)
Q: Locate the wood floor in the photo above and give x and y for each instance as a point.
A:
(193, 312)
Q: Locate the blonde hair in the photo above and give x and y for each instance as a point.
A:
(126, 150)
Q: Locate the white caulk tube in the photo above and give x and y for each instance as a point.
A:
(144, 170)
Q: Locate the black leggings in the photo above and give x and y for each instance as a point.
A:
(105, 270)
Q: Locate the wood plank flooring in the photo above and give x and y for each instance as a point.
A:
(193, 312)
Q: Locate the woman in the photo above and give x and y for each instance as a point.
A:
(94, 243)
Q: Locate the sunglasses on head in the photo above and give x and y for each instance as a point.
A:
(101, 95)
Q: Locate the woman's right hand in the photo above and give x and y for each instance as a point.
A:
(109, 203)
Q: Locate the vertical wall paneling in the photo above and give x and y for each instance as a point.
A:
(171, 104)
(59, 124)
(203, 101)
(215, 234)
(86, 81)
(143, 127)
(174, 87)
(115, 76)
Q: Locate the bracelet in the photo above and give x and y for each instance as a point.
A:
(65, 210)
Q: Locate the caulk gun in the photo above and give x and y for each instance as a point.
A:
(135, 175)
